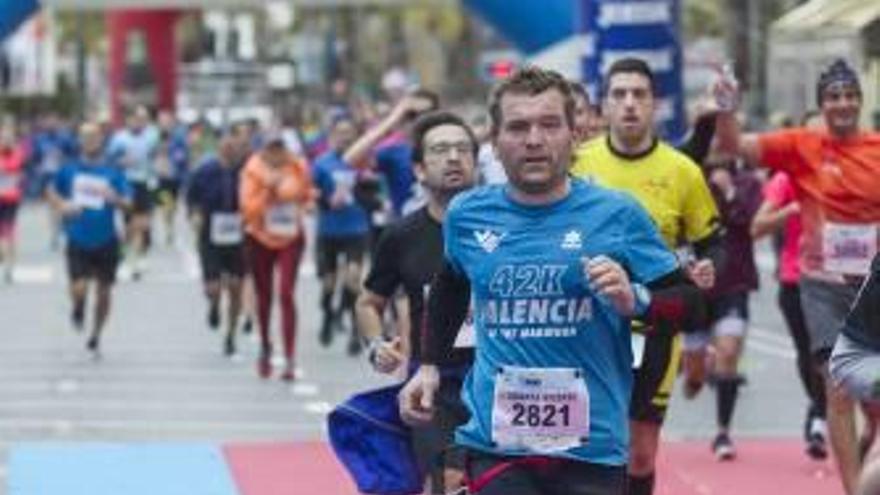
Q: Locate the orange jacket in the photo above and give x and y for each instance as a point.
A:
(257, 198)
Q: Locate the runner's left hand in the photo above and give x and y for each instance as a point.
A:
(609, 279)
(702, 273)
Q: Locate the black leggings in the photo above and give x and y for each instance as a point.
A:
(555, 477)
(789, 300)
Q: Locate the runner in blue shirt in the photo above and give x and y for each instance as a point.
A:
(343, 230)
(87, 193)
(546, 262)
(212, 200)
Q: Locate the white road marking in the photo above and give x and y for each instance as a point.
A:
(318, 407)
(304, 389)
(42, 273)
(189, 406)
(8, 426)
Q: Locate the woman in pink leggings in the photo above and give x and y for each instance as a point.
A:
(274, 190)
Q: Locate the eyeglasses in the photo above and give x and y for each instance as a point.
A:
(442, 149)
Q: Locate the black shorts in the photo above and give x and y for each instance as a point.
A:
(142, 198)
(735, 305)
(8, 212)
(167, 191)
(433, 444)
(554, 477)
(98, 263)
(328, 250)
(221, 260)
(654, 380)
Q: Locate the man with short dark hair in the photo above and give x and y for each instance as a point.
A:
(408, 256)
(545, 262)
(836, 175)
(672, 189)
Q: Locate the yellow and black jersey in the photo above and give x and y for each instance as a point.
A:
(668, 184)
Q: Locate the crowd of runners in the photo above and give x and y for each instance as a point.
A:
(540, 272)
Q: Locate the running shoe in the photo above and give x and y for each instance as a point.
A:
(78, 317)
(723, 447)
(247, 326)
(817, 434)
(94, 347)
(229, 346)
(214, 317)
(326, 334)
(288, 375)
(264, 362)
(355, 346)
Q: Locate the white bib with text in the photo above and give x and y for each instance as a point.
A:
(226, 229)
(540, 409)
(849, 248)
(282, 219)
(89, 192)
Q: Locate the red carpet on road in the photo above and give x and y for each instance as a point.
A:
(287, 469)
(763, 467)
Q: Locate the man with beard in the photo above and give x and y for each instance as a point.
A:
(835, 171)
(408, 256)
(545, 262)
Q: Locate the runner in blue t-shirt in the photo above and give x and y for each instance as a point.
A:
(343, 230)
(212, 201)
(87, 193)
(546, 262)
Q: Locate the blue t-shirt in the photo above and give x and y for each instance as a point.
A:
(332, 172)
(394, 161)
(94, 226)
(533, 307)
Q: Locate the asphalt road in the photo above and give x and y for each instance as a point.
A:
(163, 378)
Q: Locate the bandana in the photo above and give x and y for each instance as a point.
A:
(838, 74)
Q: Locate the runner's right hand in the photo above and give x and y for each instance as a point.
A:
(388, 356)
(416, 398)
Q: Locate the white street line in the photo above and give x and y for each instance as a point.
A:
(318, 407)
(182, 428)
(33, 274)
(189, 405)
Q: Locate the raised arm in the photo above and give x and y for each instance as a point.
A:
(361, 149)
